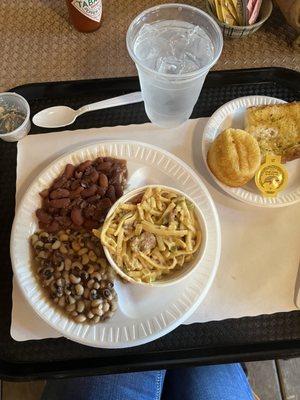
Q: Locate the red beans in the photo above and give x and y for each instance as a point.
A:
(69, 171)
(83, 166)
(75, 184)
(101, 191)
(89, 211)
(59, 193)
(52, 227)
(94, 176)
(89, 191)
(104, 166)
(118, 191)
(74, 194)
(104, 204)
(58, 183)
(44, 193)
(111, 193)
(103, 181)
(60, 203)
(82, 195)
(76, 216)
(43, 216)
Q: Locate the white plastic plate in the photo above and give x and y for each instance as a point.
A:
(144, 313)
(231, 115)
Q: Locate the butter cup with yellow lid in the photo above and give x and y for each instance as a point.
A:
(272, 176)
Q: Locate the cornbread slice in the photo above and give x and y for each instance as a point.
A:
(234, 157)
(276, 128)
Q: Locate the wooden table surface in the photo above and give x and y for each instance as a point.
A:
(38, 43)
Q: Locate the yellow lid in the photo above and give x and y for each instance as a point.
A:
(272, 176)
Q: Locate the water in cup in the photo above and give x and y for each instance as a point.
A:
(177, 47)
(173, 56)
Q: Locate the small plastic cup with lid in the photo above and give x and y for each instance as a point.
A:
(14, 117)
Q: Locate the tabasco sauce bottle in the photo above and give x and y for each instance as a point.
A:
(85, 14)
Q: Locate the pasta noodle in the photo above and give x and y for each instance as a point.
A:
(153, 236)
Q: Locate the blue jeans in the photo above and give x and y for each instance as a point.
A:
(215, 382)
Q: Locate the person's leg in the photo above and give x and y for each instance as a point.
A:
(130, 386)
(215, 382)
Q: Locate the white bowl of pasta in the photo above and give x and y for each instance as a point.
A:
(154, 235)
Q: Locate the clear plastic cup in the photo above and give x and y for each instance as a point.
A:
(9, 99)
(170, 97)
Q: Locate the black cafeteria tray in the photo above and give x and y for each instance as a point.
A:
(263, 337)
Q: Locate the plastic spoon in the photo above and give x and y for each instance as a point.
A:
(58, 116)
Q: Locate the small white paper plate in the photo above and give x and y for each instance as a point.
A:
(144, 313)
(231, 115)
